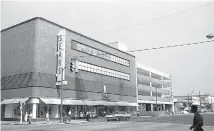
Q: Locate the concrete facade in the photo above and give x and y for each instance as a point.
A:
(29, 65)
(30, 49)
(152, 84)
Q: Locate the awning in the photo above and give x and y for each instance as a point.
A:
(7, 101)
(74, 102)
(109, 103)
(21, 100)
(92, 103)
(13, 101)
(104, 103)
(133, 104)
(122, 103)
(53, 101)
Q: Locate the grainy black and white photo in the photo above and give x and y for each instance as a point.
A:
(107, 65)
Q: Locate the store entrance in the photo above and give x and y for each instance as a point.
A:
(100, 110)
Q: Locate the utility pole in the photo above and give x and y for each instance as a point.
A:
(156, 99)
(61, 41)
(188, 100)
(200, 98)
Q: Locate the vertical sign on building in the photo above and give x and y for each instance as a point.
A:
(61, 55)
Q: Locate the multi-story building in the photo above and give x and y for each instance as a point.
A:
(154, 90)
(104, 82)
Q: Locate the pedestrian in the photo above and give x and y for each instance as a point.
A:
(75, 116)
(26, 115)
(29, 118)
(87, 116)
(47, 118)
(69, 113)
(197, 120)
(104, 114)
(64, 118)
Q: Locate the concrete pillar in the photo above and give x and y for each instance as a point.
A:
(136, 89)
(34, 110)
(150, 93)
(164, 107)
(173, 107)
(151, 107)
(55, 111)
(150, 84)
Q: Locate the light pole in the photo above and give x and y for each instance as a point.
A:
(61, 86)
(191, 96)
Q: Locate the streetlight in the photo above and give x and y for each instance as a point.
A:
(191, 96)
(210, 36)
(61, 86)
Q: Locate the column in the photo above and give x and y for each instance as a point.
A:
(34, 109)
(55, 111)
(162, 87)
(150, 84)
(151, 107)
(164, 107)
(173, 108)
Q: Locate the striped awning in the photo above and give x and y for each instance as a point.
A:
(54, 101)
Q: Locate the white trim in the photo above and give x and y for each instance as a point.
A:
(153, 102)
(152, 70)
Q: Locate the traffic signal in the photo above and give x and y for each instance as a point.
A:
(71, 66)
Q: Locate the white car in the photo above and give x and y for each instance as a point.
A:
(118, 116)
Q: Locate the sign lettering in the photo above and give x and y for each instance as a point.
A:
(61, 55)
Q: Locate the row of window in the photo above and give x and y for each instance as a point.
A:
(101, 70)
(98, 53)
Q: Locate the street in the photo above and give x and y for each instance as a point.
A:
(166, 123)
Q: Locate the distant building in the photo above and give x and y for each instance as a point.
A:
(181, 102)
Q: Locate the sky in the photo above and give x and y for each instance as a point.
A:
(129, 22)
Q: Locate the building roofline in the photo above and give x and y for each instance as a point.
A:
(64, 28)
(152, 70)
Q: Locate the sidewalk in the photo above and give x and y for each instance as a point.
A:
(41, 122)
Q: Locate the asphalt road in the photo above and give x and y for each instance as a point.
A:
(169, 123)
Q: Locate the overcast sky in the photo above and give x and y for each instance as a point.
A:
(192, 67)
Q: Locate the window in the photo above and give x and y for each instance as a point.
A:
(101, 70)
(89, 50)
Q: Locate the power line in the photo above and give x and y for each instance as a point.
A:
(171, 46)
(162, 17)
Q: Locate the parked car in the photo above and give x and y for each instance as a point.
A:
(185, 112)
(118, 116)
(203, 110)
